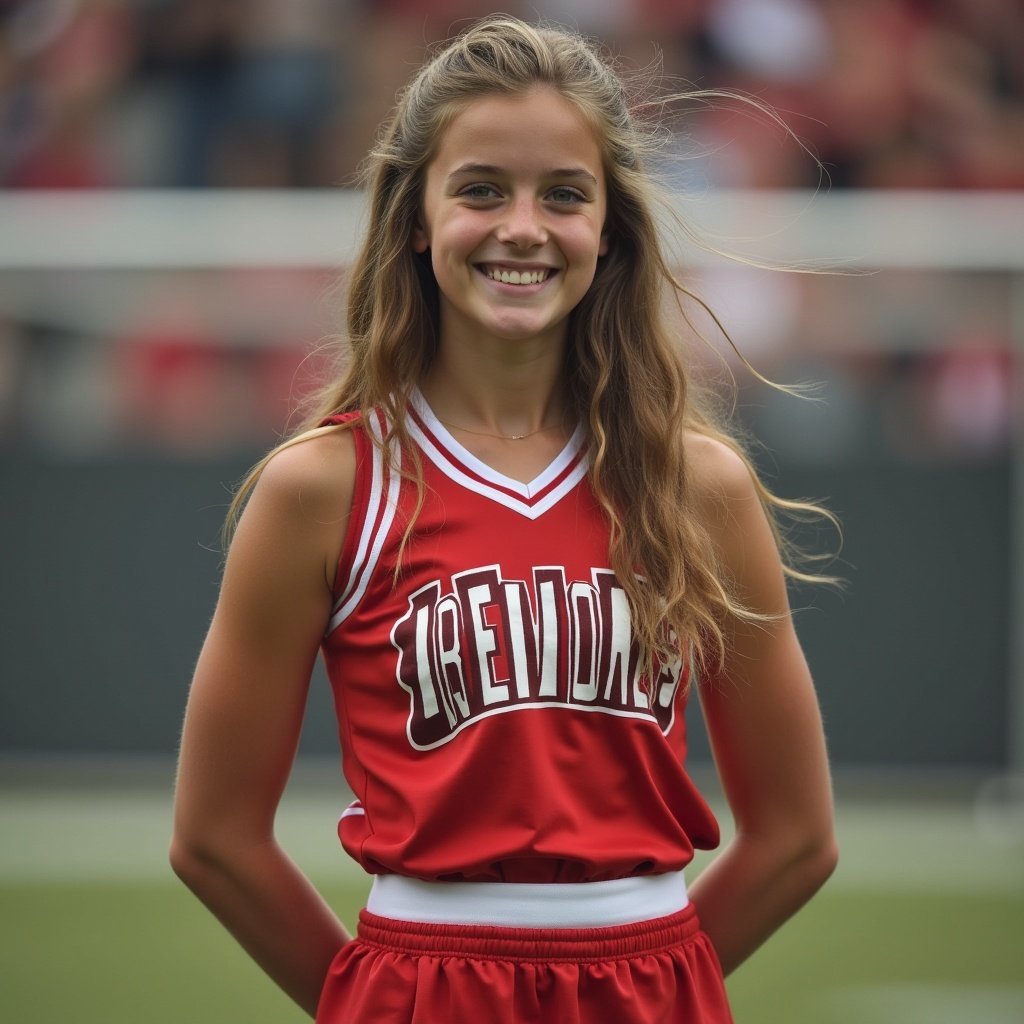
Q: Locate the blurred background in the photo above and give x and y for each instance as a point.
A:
(176, 212)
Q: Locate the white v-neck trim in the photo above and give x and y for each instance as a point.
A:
(458, 463)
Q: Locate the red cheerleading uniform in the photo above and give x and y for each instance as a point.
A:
(492, 721)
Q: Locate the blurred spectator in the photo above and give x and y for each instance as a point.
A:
(967, 394)
(189, 50)
(253, 84)
(179, 386)
(66, 62)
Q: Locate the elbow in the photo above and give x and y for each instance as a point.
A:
(829, 858)
(195, 859)
(820, 859)
(206, 856)
(187, 860)
(806, 857)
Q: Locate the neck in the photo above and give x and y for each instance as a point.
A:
(511, 393)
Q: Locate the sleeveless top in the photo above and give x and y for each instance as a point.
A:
(491, 719)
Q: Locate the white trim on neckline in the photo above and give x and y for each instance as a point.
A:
(530, 499)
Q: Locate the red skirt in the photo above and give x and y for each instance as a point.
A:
(662, 971)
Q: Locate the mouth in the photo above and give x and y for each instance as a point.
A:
(516, 276)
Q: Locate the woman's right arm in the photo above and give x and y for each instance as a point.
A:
(245, 712)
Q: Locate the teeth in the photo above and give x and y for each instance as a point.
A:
(516, 276)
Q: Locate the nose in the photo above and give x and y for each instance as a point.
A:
(523, 224)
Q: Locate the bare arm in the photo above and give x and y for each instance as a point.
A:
(245, 712)
(766, 735)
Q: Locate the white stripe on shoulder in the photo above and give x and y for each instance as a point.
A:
(380, 513)
(369, 519)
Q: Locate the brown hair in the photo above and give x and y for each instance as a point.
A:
(624, 376)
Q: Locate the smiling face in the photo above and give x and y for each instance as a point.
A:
(512, 213)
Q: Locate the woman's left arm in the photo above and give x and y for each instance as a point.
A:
(765, 730)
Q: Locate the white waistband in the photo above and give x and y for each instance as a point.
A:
(529, 904)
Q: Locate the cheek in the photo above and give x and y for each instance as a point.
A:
(460, 235)
(585, 240)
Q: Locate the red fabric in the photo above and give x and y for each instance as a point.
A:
(492, 725)
(663, 971)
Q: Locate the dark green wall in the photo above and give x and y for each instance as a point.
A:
(110, 571)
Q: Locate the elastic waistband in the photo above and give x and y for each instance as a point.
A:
(617, 901)
(529, 945)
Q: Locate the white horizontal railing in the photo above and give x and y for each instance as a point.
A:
(198, 229)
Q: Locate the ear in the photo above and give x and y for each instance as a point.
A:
(420, 241)
(602, 249)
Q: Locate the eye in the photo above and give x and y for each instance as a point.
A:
(480, 190)
(565, 195)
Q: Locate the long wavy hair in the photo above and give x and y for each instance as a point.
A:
(623, 373)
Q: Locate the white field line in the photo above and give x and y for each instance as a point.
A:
(905, 846)
(911, 847)
(65, 834)
(925, 1004)
(90, 836)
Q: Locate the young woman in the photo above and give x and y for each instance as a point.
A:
(521, 546)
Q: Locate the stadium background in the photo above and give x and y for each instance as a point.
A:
(174, 215)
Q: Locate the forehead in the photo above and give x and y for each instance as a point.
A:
(537, 126)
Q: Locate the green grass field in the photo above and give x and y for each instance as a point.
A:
(922, 924)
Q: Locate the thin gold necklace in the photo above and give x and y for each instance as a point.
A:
(500, 437)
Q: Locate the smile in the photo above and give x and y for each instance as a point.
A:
(520, 277)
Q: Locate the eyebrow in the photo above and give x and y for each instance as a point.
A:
(557, 172)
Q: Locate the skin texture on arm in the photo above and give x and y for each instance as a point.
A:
(765, 729)
(245, 712)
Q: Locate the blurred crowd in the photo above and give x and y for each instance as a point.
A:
(288, 93)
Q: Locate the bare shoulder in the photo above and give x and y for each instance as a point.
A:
(298, 512)
(720, 478)
(313, 477)
(726, 499)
